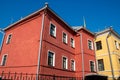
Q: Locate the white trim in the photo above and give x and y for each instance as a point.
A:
(73, 42)
(53, 57)
(92, 48)
(90, 66)
(50, 29)
(8, 38)
(66, 62)
(74, 64)
(66, 42)
(2, 59)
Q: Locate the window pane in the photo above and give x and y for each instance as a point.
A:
(90, 44)
(50, 59)
(64, 63)
(92, 66)
(72, 65)
(9, 38)
(4, 60)
(100, 65)
(98, 45)
(52, 30)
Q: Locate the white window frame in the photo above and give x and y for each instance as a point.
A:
(50, 29)
(72, 45)
(53, 58)
(71, 64)
(3, 59)
(91, 44)
(66, 41)
(116, 44)
(90, 65)
(8, 40)
(66, 62)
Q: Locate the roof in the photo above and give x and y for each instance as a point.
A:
(27, 17)
(77, 28)
(108, 30)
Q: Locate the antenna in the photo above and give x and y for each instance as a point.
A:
(84, 22)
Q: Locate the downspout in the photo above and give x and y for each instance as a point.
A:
(40, 47)
(82, 52)
(113, 77)
(95, 56)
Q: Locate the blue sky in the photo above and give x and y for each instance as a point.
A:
(99, 14)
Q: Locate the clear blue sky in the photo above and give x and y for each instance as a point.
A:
(99, 14)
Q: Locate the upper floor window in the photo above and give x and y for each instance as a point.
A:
(8, 38)
(65, 63)
(72, 65)
(92, 66)
(72, 42)
(119, 61)
(100, 65)
(51, 58)
(52, 30)
(90, 44)
(4, 58)
(117, 45)
(98, 45)
(64, 37)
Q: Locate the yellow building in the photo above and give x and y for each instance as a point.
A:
(107, 45)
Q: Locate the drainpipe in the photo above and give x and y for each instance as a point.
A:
(113, 77)
(95, 56)
(40, 47)
(82, 52)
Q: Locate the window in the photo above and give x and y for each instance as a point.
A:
(72, 42)
(119, 61)
(4, 58)
(52, 30)
(98, 45)
(51, 59)
(92, 66)
(117, 45)
(90, 45)
(65, 62)
(100, 65)
(8, 38)
(72, 65)
(64, 37)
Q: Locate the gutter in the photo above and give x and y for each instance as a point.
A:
(40, 47)
(113, 76)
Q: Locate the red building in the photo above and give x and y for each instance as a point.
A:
(42, 43)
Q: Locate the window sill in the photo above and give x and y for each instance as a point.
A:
(53, 36)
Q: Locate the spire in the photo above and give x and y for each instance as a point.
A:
(46, 4)
(84, 22)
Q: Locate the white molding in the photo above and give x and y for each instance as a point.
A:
(74, 64)
(66, 37)
(90, 66)
(66, 62)
(50, 28)
(8, 38)
(53, 57)
(3, 58)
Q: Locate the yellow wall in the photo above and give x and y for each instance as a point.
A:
(103, 54)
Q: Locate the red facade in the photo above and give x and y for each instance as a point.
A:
(31, 41)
